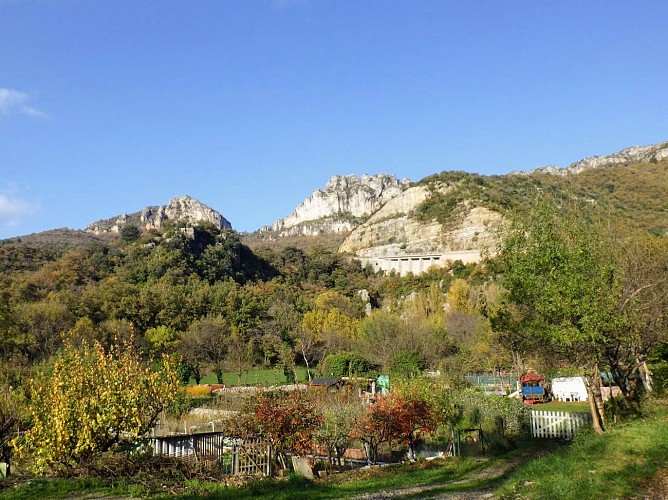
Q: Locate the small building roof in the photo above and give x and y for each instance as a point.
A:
(531, 377)
(325, 381)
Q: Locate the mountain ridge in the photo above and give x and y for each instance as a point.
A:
(451, 214)
(180, 208)
(344, 202)
(652, 153)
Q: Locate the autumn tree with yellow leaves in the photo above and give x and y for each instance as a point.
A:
(90, 401)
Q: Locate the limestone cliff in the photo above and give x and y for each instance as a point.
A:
(393, 240)
(653, 153)
(344, 203)
(180, 208)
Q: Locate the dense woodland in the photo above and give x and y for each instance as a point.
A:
(222, 307)
(574, 288)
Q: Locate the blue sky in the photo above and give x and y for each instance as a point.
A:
(107, 106)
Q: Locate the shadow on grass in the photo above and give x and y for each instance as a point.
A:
(429, 477)
(409, 480)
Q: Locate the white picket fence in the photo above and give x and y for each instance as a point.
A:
(557, 424)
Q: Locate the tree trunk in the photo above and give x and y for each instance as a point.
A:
(308, 370)
(598, 398)
(597, 423)
(197, 374)
(620, 377)
(646, 375)
(624, 378)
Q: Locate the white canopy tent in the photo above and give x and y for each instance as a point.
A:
(569, 389)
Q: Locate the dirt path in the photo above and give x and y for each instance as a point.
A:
(432, 491)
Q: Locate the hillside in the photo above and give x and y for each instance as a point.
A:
(455, 215)
(378, 218)
(31, 251)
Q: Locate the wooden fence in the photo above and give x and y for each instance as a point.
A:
(193, 446)
(236, 456)
(557, 424)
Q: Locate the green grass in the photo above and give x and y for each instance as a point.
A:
(351, 484)
(570, 407)
(614, 465)
(431, 474)
(61, 488)
(263, 377)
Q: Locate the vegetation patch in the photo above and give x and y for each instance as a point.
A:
(614, 465)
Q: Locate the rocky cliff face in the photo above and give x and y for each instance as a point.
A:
(634, 154)
(391, 233)
(179, 208)
(340, 206)
(393, 240)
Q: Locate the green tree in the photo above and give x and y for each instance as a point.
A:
(408, 364)
(345, 364)
(562, 294)
(204, 344)
(162, 339)
(642, 271)
(130, 233)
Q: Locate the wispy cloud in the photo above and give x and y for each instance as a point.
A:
(13, 208)
(16, 102)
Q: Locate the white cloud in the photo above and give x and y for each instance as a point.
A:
(14, 209)
(13, 101)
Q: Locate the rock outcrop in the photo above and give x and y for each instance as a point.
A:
(393, 240)
(343, 204)
(634, 154)
(179, 209)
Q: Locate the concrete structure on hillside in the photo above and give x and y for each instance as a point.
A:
(417, 264)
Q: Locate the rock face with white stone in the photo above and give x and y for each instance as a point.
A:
(344, 203)
(653, 153)
(179, 209)
(394, 240)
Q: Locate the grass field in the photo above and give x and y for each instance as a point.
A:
(438, 474)
(263, 377)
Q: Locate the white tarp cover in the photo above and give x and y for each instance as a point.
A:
(569, 388)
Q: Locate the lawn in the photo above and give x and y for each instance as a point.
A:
(618, 464)
(570, 407)
(434, 474)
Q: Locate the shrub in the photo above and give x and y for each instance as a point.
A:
(198, 391)
(345, 364)
(92, 400)
(660, 377)
(408, 364)
(505, 414)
